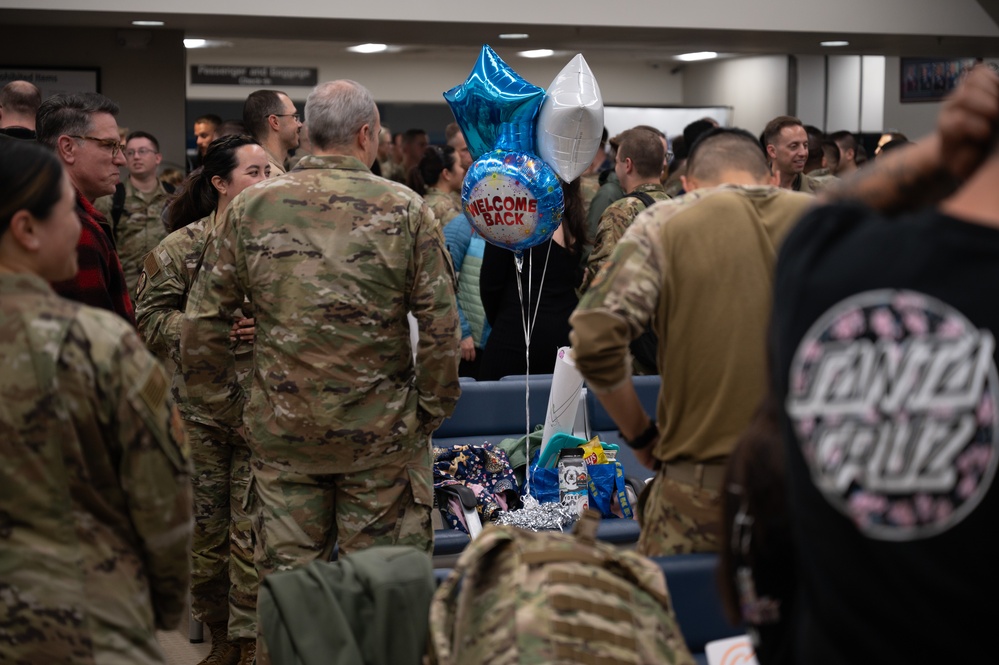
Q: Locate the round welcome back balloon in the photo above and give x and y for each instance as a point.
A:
(513, 199)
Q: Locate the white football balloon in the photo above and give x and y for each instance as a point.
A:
(571, 120)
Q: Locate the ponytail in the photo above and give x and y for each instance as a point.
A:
(197, 196)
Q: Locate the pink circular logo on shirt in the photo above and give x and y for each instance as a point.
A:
(893, 396)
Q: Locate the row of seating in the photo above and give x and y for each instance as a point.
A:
(490, 411)
(509, 408)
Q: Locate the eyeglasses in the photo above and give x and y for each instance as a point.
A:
(141, 152)
(111, 144)
(296, 116)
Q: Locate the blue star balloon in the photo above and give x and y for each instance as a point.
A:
(493, 96)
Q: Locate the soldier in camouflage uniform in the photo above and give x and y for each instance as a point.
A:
(638, 165)
(223, 576)
(589, 181)
(437, 178)
(271, 117)
(96, 508)
(700, 268)
(338, 418)
(139, 225)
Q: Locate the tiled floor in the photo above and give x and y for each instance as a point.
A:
(178, 648)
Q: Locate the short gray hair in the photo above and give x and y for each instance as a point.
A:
(70, 114)
(335, 111)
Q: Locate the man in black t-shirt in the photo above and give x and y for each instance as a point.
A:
(19, 102)
(884, 364)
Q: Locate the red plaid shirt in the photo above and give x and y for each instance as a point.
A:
(100, 281)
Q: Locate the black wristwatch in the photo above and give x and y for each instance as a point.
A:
(645, 439)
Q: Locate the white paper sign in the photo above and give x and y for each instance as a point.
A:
(731, 651)
(563, 400)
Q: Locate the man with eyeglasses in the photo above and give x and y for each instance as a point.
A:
(271, 117)
(82, 131)
(135, 210)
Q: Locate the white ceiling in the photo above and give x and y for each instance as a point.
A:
(304, 37)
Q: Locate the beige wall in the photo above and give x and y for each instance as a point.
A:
(756, 88)
(424, 79)
(148, 82)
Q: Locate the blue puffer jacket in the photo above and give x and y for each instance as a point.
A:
(466, 248)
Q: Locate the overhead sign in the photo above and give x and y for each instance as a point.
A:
(54, 80)
(253, 75)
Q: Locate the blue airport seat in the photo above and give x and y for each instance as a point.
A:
(494, 410)
(694, 591)
(534, 377)
(602, 425)
(618, 531)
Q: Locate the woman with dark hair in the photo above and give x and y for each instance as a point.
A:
(437, 178)
(96, 503)
(756, 567)
(552, 273)
(223, 579)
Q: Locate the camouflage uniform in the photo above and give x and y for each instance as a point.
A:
(589, 185)
(95, 524)
(139, 229)
(277, 165)
(818, 181)
(456, 199)
(610, 191)
(812, 184)
(223, 576)
(442, 205)
(613, 223)
(338, 419)
(396, 172)
(673, 185)
(520, 597)
(701, 269)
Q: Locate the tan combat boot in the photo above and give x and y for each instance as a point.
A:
(223, 651)
(247, 652)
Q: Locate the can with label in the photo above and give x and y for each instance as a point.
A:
(573, 480)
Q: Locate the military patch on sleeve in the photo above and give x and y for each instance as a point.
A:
(151, 265)
(154, 391)
(141, 286)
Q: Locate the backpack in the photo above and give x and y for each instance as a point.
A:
(533, 598)
(641, 196)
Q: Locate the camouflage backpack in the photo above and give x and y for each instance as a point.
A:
(520, 597)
